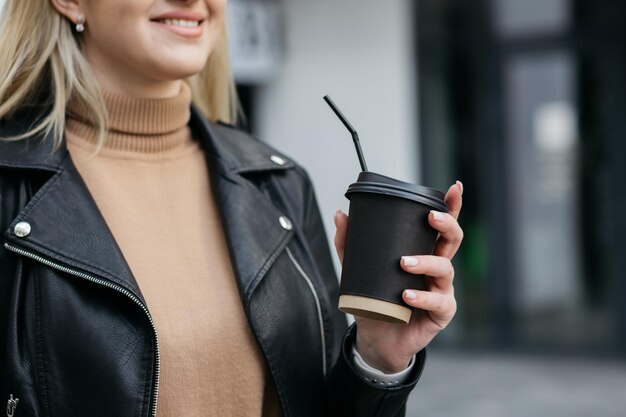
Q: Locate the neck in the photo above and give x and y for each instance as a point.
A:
(138, 125)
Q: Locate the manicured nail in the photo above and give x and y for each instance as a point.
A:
(460, 185)
(437, 215)
(410, 261)
(411, 295)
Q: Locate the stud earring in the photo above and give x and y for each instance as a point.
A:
(80, 23)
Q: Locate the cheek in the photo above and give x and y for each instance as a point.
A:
(216, 7)
(116, 25)
(124, 45)
(114, 15)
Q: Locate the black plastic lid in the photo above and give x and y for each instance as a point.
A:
(370, 182)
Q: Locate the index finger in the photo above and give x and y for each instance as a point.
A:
(454, 199)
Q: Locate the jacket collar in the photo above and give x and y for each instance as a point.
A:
(233, 149)
(68, 229)
(35, 152)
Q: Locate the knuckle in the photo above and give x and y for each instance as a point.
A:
(461, 234)
(452, 306)
(441, 303)
(449, 269)
(426, 299)
(443, 268)
(456, 234)
(448, 224)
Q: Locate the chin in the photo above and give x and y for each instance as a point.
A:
(180, 73)
(178, 69)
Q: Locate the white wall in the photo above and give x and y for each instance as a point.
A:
(360, 52)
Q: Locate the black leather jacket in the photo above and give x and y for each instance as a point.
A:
(76, 337)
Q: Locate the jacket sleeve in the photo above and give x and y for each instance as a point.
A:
(349, 393)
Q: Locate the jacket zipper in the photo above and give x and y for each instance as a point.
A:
(317, 304)
(108, 284)
(12, 405)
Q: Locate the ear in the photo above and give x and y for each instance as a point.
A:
(68, 8)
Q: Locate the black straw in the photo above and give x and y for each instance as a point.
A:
(355, 136)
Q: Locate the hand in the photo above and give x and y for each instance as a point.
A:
(390, 347)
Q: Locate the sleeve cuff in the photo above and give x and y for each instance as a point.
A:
(378, 377)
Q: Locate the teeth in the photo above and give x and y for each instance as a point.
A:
(182, 23)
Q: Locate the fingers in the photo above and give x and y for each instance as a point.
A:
(438, 301)
(341, 223)
(438, 268)
(454, 199)
(451, 234)
(441, 307)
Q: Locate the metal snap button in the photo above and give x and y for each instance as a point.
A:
(285, 223)
(278, 160)
(22, 229)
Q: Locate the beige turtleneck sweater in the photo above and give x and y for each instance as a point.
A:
(151, 183)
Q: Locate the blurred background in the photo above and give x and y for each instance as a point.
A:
(523, 101)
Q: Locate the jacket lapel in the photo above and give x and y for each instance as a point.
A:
(68, 229)
(251, 221)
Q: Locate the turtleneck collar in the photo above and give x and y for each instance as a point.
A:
(136, 125)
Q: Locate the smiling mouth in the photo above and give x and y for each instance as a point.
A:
(180, 23)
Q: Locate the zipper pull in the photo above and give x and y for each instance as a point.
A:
(12, 406)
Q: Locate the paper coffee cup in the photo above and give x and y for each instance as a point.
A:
(387, 220)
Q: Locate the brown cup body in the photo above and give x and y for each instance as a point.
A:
(387, 219)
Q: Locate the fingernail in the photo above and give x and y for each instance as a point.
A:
(437, 215)
(336, 215)
(410, 261)
(411, 295)
(460, 185)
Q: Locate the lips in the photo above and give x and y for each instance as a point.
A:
(184, 23)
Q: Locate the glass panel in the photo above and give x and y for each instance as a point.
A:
(544, 197)
(528, 17)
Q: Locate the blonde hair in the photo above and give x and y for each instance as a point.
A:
(41, 65)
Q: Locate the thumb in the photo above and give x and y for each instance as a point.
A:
(341, 223)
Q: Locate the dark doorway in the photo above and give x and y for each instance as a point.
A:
(523, 100)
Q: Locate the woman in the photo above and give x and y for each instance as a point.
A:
(150, 254)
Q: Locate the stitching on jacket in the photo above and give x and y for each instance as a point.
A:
(268, 264)
(39, 344)
(300, 233)
(318, 308)
(263, 168)
(34, 201)
(147, 393)
(28, 165)
(41, 247)
(278, 383)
